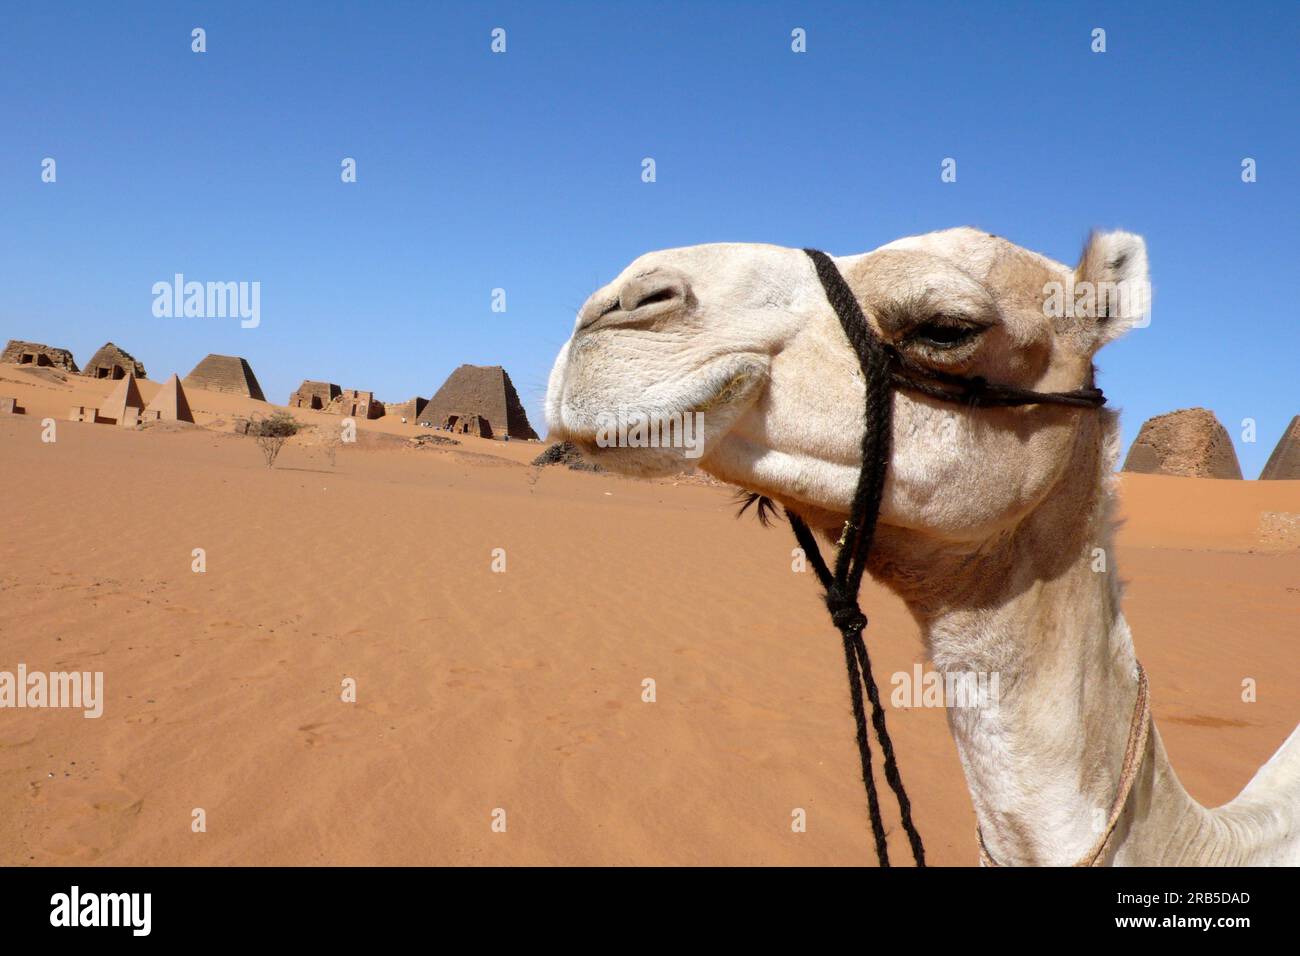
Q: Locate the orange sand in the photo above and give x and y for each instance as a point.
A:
(522, 690)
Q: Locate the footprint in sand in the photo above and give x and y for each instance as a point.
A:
(313, 738)
(93, 819)
(322, 733)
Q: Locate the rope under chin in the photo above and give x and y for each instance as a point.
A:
(884, 369)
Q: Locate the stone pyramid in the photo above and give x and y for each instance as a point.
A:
(125, 396)
(225, 373)
(1284, 463)
(1189, 443)
(170, 402)
(484, 390)
(18, 352)
(113, 362)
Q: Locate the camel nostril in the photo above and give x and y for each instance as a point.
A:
(651, 290)
(662, 295)
(644, 298)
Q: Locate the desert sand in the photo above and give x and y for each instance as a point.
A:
(520, 690)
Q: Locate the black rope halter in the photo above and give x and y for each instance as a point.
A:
(884, 370)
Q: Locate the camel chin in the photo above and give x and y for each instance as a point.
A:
(644, 435)
(635, 462)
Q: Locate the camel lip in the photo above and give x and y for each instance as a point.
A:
(712, 397)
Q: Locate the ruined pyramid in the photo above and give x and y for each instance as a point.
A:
(124, 403)
(170, 403)
(315, 395)
(410, 409)
(1284, 463)
(225, 373)
(483, 390)
(1189, 443)
(113, 362)
(18, 352)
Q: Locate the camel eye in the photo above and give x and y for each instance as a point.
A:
(944, 333)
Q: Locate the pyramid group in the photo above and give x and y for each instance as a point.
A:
(126, 407)
(477, 400)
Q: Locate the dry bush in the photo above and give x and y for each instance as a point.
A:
(271, 434)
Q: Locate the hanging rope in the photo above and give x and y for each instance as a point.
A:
(884, 369)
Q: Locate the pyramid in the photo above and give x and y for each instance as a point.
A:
(170, 402)
(1284, 463)
(18, 352)
(113, 362)
(225, 373)
(1189, 443)
(483, 390)
(122, 401)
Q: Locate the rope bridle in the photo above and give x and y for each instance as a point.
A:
(884, 370)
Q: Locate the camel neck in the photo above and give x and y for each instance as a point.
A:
(1043, 760)
(1035, 613)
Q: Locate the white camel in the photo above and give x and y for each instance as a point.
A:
(990, 516)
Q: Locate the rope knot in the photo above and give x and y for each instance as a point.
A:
(845, 613)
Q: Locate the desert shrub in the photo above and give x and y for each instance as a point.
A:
(271, 434)
(565, 453)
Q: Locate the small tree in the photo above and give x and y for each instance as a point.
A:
(271, 434)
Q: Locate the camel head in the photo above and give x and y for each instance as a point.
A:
(733, 351)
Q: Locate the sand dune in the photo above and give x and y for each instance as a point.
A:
(518, 690)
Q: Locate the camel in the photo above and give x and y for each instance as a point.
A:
(991, 518)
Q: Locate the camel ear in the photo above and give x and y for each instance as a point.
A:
(1112, 286)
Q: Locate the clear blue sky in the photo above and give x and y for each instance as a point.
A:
(522, 171)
